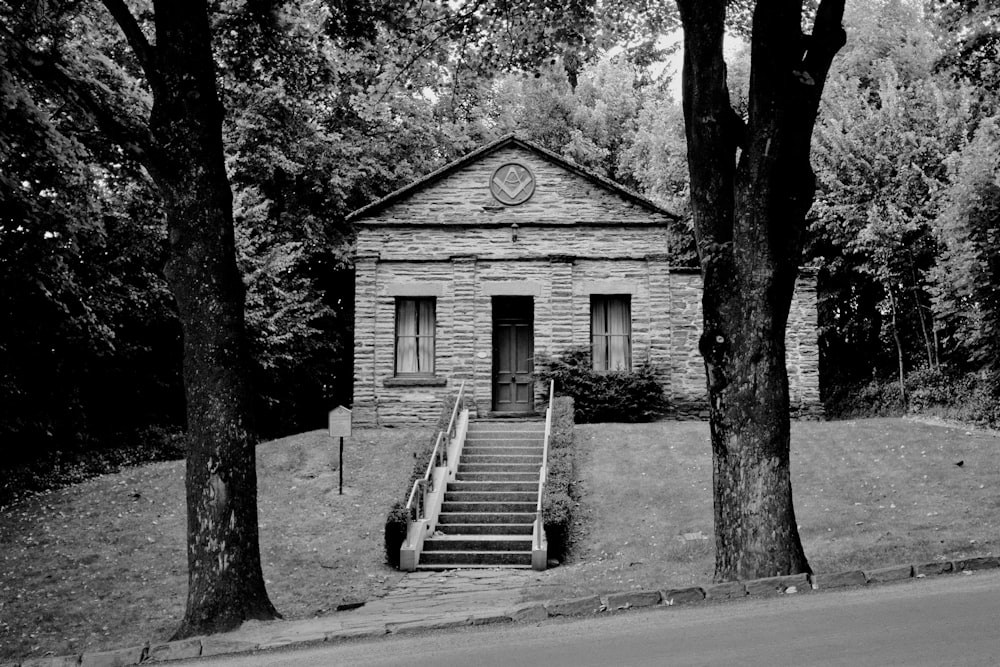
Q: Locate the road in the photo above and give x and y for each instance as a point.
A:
(953, 620)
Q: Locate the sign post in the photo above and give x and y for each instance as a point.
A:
(339, 421)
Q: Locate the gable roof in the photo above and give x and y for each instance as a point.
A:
(498, 144)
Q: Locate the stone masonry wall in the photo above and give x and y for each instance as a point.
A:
(534, 241)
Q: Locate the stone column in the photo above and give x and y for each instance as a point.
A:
(465, 335)
(560, 314)
(660, 332)
(364, 410)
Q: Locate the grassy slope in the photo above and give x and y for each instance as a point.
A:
(868, 493)
(101, 564)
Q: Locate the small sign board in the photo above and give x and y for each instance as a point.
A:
(340, 422)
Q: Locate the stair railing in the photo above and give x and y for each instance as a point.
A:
(539, 546)
(417, 502)
(427, 494)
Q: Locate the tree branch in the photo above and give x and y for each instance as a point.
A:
(133, 34)
(712, 134)
(828, 37)
(85, 97)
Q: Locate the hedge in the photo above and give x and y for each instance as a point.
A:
(558, 503)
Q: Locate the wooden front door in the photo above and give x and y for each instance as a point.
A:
(513, 354)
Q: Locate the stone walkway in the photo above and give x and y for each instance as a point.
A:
(422, 600)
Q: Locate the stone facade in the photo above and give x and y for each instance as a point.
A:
(447, 238)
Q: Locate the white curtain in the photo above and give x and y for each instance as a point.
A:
(415, 336)
(406, 336)
(619, 319)
(611, 331)
(425, 336)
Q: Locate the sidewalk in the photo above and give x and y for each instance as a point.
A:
(421, 601)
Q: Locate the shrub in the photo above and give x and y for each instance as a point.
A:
(620, 396)
(970, 398)
(398, 518)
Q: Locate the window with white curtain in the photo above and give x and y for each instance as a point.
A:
(611, 332)
(415, 336)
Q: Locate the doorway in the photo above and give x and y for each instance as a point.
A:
(513, 354)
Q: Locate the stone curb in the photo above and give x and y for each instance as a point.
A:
(530, 612)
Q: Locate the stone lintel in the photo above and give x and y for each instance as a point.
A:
(511, 287)
(410, 288)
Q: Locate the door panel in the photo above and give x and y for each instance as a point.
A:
(513, 354)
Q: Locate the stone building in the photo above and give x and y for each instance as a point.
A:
(513, 252)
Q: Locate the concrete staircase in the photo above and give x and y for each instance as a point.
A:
(488, 511)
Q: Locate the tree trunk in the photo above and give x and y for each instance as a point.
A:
(749, 220)
(225, 583)
(922, 316)
(899, 347)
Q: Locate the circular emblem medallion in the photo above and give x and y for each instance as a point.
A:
(512, 184)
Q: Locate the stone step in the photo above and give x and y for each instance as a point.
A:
(486, 528)
(516, 440)
(451, 496)
(522, 468)
(507, 425)
(463, 558)
(472, 459)
(497, 477)
(451, 518)
(500, 450)
(490, 485)
(499, 508)
(441, 567)
(477, 543)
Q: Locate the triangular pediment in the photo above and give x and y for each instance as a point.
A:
(512, 180)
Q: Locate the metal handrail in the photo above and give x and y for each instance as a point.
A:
(543, 471)
(439, 455)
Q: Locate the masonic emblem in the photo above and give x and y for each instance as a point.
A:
(512, 184)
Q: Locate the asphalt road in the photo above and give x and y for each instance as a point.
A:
(952, 620)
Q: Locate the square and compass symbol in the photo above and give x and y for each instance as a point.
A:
(512, 184)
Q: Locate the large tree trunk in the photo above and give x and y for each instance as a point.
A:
(749, 219)
(225, 583)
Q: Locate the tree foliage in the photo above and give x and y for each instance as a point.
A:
(966, 277)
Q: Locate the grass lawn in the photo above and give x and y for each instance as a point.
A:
(102, 564)
(868, 493)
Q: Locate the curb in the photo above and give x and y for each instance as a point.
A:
(529, 612)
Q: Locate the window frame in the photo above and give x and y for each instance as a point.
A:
(604, 301)
(398, 303)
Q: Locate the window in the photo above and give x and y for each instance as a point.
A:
(415, 336)
(611, 332)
